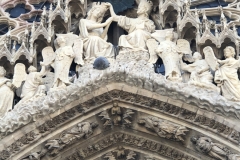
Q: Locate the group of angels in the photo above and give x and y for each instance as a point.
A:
(141, 38)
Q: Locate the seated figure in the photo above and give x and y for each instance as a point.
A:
(94, 36)
(139, 29)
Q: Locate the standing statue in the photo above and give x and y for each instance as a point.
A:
(62, 59)
(6, 91)
(139, 29)
(168, 51)
(164, 129)
(200, 72)
(94, 36)
(226, 76)
(215, 150)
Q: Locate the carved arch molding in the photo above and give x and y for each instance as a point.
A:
(118, 121)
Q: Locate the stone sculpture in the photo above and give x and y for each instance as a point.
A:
(171, 56)
(83, 129)
(200, 72)
(164, 129)
(226, 76)
(139, 29)
(93, 35)
(62, 59)
(7, 93)
(33, 86)
(215, 150)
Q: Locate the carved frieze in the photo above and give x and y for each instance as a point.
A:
(81, 130)
(132, 140)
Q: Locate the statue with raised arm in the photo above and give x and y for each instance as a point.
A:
(200, 74)
(226, 76)
(94, 36)
(33, 86)
(139, 29)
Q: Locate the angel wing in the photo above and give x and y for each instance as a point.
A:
(19, 74)
(184, 47)
(78, 50)
(48, 55)
(210, 58)
(152, 44)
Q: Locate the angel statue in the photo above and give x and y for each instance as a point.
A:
(164, 128)
(139, 29)
(33, 85)
(200, 72)
(62, 59)
(171, 56)
(226, 75)
(94, 36)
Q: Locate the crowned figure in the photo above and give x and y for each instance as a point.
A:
(93, 35)
(139, 29)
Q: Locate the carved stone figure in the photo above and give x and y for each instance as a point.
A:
(205, 145)
(164, 129)
(93, 35)
(139, 29)
(170, 55)
(62, 59)
(200, 72)
(83, 129)
(226, 76)
(33, 85)
(6, 91)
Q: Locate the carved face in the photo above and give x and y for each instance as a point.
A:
(97, 12)
(61, 41)
(229, 52)
(197, 56)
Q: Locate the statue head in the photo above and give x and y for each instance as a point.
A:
(229, 52)
(145, 7)
(194, 140)
(32, 69)
(197, 56)
(94, 124)
(98, 10)
(61, 41)
(169, 35)
(2, 72)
